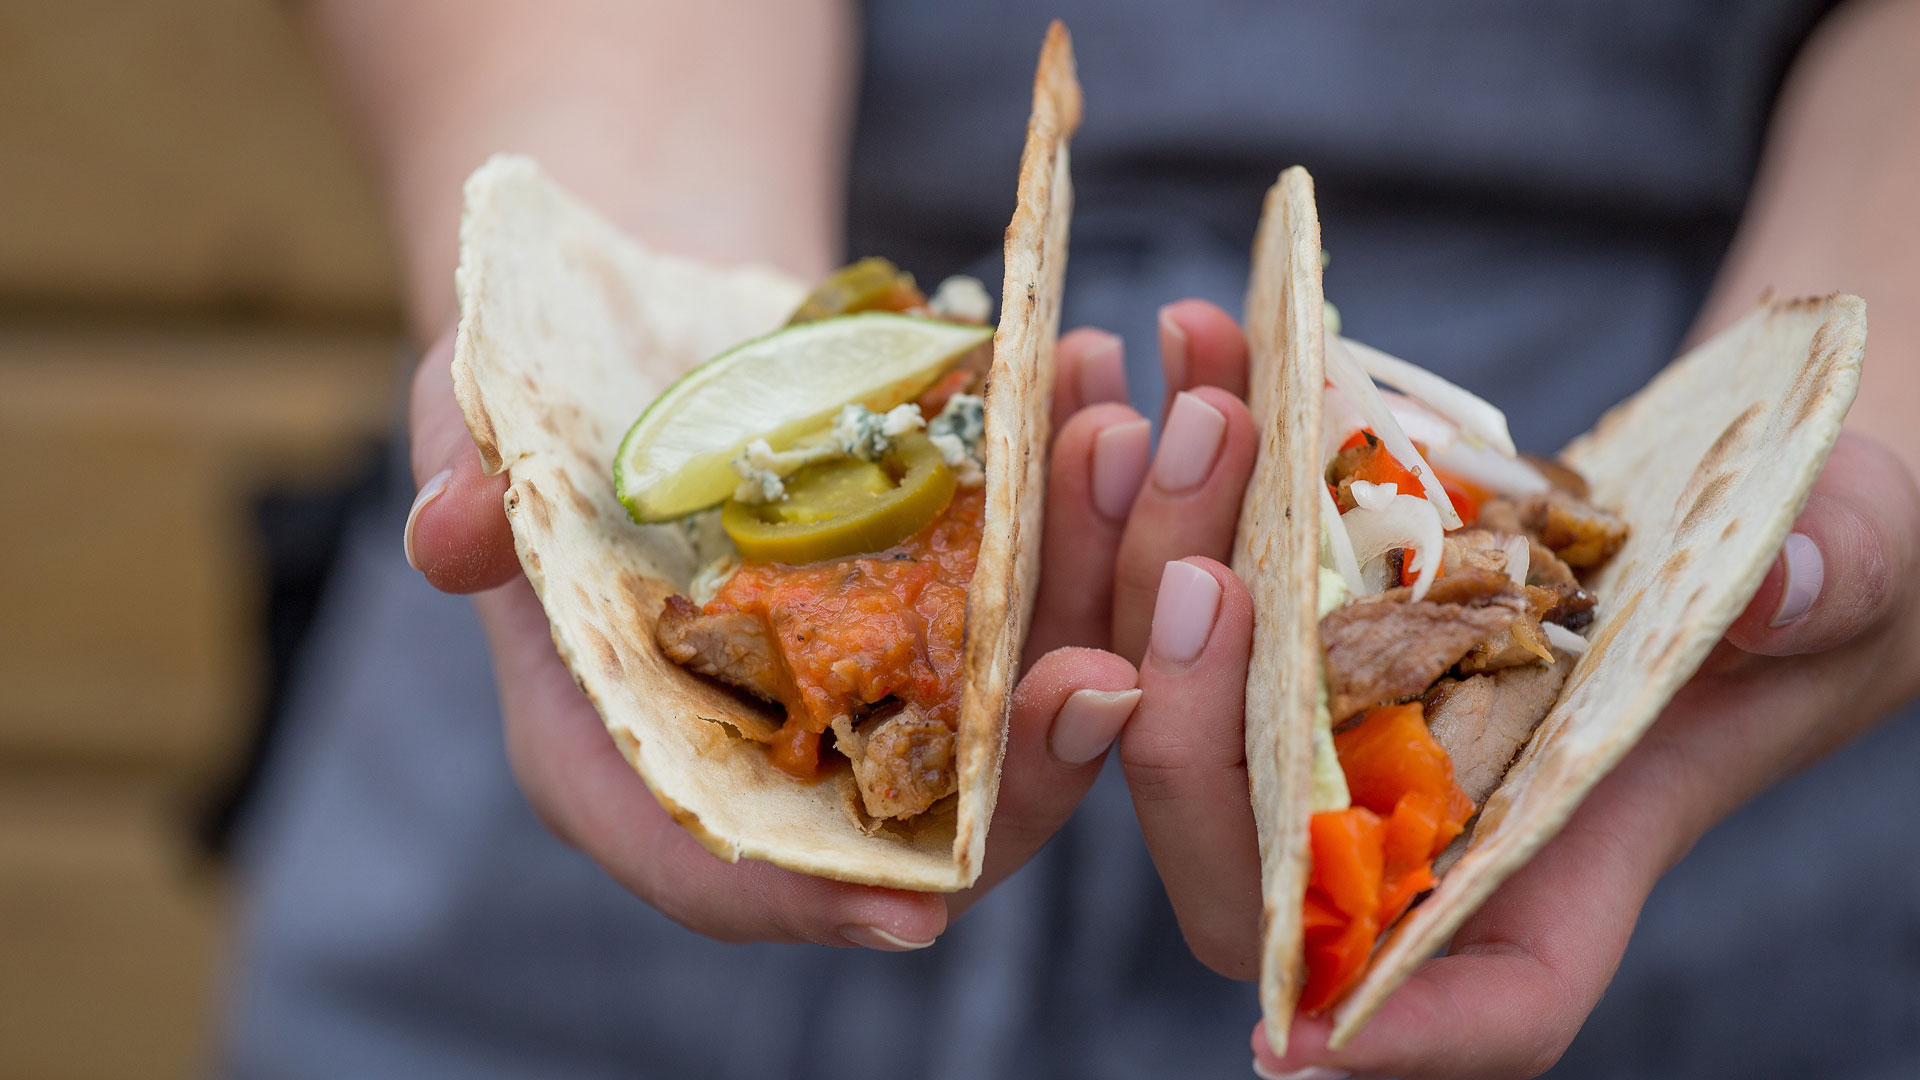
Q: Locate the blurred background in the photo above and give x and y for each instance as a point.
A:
(199, 347)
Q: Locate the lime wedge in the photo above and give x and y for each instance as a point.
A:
(678, 456)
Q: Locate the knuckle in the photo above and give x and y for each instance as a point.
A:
(1159, 766)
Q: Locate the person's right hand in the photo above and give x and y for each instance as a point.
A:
(1115, 516)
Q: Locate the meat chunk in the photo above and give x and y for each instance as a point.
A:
(903, 761)
(1581, 535)
(1468, 586)
(1558, 475)
(1521, 641)
(1483, 721)
(1380, 651)
(1473, 549)
(1573, 607)
(737, 648)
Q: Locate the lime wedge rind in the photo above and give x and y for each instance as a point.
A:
(677, 457)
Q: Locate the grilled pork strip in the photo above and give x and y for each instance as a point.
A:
(1483, 721)
(1580, 534)
(735, 647)
(1381, 649)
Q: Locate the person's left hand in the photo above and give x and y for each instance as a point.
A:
(1824, 650)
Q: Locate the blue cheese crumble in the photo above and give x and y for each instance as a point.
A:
(956, 433)
(962, 298)
(763, 469)
(859, 432)
(862, 433)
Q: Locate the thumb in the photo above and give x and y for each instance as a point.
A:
(1841, 571)
(456, 532)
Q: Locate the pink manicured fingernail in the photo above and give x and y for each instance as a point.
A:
(1183, 613)
(1312, 1072)
(1103, 372)
(1173, 349)
(1189, 445)
(1119, 465)
(872, 937)
(1088, 722)
(1806, 572)
(429, 491)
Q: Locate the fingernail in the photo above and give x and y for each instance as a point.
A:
(1806, 572)
(1103, 372)
(872, 937)
(1312, 1072)
(429, 491)
(1183, 612)
(1088, 723)
(1173, 349)
(1119, 465)
(1188, 446)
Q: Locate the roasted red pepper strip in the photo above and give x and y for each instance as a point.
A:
(1377, 466)
(1465, 495)
(1372, 859)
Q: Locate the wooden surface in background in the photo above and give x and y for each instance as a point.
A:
(131, 629)
(114, 932)
(179, 154)
(196, 305)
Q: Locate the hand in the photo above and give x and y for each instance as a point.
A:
(1523, 973)
(1099, 567)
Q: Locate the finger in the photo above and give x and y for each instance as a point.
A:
(1184, 752)
(1067, 711)
(588, 794)
(1189, 505)
(1201, 345)
(1089, 367)
(1842, 570)
(456, 531)
(1098, 463)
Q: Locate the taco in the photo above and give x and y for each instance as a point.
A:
(1453, 643)
(797, 590)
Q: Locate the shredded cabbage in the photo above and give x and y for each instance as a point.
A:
(1351, 379)
(1489, 468)
(1384, 520)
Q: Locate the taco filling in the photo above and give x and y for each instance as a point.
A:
(1451, 607)
(840, 594)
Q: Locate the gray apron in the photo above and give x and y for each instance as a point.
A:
(1528, 196)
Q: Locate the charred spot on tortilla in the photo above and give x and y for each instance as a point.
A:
(1705, 503)
(1675, 565)
(1729, 436)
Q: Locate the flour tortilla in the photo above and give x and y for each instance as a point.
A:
(568, 328)
(1710, 464)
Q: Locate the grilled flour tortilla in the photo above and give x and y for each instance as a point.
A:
(1708, 466)
(568, 328)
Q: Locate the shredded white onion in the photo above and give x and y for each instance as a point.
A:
(1333, 533)
(1490, 469)
(1338, 421)
(1425, 427)
(1384, 521)
(1519, 555)
(1472, 412)
(1372, 496)
(1564, 639)
(1351, 379)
